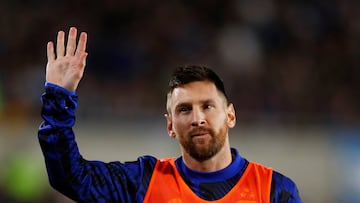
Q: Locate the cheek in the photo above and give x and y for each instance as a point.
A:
(216, 117)
(179, 125)
(219, 122)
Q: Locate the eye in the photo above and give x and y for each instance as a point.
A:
(208, 106)
(183, 109)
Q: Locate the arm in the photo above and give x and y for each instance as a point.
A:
(68, 172)
(283, 190)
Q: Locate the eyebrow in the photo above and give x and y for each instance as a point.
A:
(183, 104)
(205, 101)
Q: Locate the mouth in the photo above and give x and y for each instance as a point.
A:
(200, 135)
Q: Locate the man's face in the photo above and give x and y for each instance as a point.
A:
(199, 118)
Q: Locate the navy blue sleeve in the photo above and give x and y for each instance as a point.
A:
(283, 190)
(76, 177)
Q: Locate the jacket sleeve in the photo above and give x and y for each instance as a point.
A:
(283, 190)
(71, 174)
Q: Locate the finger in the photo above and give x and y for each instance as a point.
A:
(81, 47)
(50, 52)
(60, 44)
(71, 43)
(83, 57)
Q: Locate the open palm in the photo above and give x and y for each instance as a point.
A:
(66, 67)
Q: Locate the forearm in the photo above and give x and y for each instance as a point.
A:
(69, 173)
(57, 139)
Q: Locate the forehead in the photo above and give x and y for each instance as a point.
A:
(195, 91)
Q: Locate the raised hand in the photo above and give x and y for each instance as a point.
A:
(66, 67)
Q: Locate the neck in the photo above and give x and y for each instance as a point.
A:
(219, 161)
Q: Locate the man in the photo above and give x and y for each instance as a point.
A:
(198, 116)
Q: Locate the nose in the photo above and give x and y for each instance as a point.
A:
(198, 117)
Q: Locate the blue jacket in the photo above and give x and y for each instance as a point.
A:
(95, 181)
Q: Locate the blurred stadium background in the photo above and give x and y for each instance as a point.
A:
(290, 67)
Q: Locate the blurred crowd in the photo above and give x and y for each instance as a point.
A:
(282, 61)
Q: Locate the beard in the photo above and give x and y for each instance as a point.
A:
(203, 149)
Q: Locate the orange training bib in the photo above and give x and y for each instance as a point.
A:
(167, 186)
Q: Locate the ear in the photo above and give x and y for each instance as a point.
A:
(231, 116)
(169, 126)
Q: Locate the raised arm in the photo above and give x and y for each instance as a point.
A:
(68, 172)
(65, 68)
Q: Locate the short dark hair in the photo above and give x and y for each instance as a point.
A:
(192, 73)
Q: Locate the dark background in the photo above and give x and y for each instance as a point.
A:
(281, 61)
